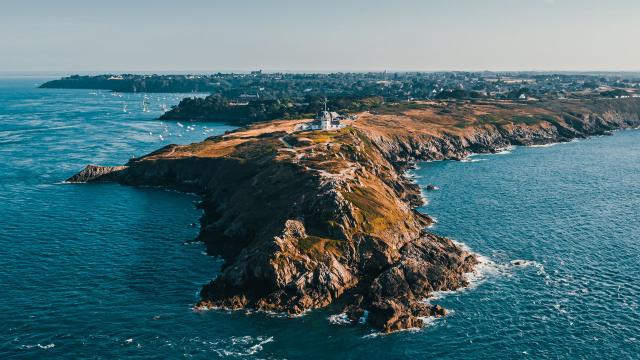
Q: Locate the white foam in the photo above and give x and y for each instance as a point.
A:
(529, 263)
(339, 319)
(437, 295)
(559, 308)
(544, 145)
(485, 269)
(363, 319)
(243, 346)
(247, 311)
(525, 263)
(423, 197)
(373, 335)
(39, 346)
(427, 322)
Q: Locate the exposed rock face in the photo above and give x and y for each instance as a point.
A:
(304, 220)
(95, 173)
(437, 136)
(428, 264)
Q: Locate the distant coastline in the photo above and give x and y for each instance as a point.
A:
(242, 99)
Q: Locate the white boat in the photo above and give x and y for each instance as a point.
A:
(145, 105)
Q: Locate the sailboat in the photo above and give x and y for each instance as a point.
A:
(145, 105)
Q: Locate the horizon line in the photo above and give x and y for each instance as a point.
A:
(300, 71)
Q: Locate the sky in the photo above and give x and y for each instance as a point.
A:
(327, 35)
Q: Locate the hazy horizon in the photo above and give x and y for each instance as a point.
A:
(70, 36)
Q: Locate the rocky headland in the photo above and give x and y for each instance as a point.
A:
(305, 220)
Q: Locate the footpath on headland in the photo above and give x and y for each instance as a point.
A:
(305, 219)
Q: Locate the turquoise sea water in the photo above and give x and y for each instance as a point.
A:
(107, 271)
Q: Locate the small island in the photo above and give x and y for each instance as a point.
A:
(307, 218)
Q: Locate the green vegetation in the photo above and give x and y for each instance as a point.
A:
(241, 99)
(218, 108)
(316, 246)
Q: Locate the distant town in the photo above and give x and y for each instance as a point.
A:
(243, 98)
(244, 87)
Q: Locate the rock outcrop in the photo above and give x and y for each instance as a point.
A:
(96, 173)
(308, 219)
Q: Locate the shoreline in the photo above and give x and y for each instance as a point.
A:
(484, 261)
(352, 234)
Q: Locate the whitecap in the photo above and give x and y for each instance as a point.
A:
(544, 145)
(243, 346)
(529, 263)
(40, 346)
(524, 263)
(484, 269)
(437, 295)
(375, 334)
(559, 308)
(429, 320)
(339, 319)
(505, 150)
(248, 311)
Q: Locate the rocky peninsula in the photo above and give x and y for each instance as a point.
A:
(304, 220)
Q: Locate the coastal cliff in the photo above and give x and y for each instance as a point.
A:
(308, 219)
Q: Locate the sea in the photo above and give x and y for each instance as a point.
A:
(104, 271)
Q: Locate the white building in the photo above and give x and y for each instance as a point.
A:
(325, 120)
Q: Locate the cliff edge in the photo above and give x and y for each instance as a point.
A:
(308, 219)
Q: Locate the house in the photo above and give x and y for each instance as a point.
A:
(249, 97)
(325, 120)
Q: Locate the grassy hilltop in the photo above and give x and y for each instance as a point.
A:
(312, 219)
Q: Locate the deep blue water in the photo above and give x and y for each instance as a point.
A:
(107, 271)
